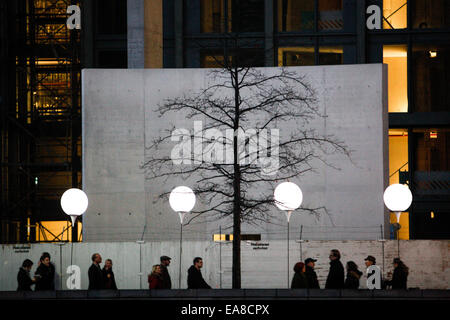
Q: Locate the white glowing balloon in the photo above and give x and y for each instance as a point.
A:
(74, 202)
(288, 196)
(397, 197)
(182, 199)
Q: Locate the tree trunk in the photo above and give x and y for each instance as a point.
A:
(237, 193)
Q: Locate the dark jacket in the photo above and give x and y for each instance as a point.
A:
(311, 278)
(335, 279)
(195, 279)
(109, 282)
(24, 280)
(352, 280)
(165, 277)
(95, 277)
(299, 281)
(155, 281)
(45, 277)
(399, 279)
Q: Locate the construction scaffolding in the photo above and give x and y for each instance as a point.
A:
(41, 116)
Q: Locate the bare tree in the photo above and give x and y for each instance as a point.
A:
(232, 171)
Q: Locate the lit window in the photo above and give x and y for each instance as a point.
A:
(395, 56)
(394, 14)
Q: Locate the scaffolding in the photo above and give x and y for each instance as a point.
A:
(41, 122)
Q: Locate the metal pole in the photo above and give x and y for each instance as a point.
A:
(301, 243)
(181, 250)
(288, 254)
(60, 266)
(220, 256)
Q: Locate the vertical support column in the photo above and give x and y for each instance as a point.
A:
(178, 8)
(153, 33)
(135, 41)
(361, 31)
(268, 33)
(87, 33)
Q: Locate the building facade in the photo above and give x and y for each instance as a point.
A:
(412, 39)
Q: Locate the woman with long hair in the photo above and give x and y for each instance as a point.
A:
(400, 276)
(155, 280)
(353, 276)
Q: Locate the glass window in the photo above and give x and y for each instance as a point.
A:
(247, 15)
(330, 15)
(296, 56)
(432, 149)
(395, 57)
(111, 16)
(245, 58)
(398, 156)
(295, 15)
(431, 82)
(430, 14)
(394, 14)
(213, 15)
(331, 55)
(112, 59)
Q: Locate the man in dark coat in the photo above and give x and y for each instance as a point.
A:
(23, 277)
(311, 275)
(95, 273)
(195, 279)
(109, 282)
(335, 279)
(45, 274)
(165, 277)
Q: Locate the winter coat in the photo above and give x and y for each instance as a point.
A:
(95, 277)
(155, 281)
(24, 280)
(165, 277)
(311, 278)
(109, 282)
(335, 279)
(195, 279)
(352, 280)
(299, 281)
(45, 277)
(399, 279)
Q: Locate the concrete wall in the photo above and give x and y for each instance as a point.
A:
(428, 261)
(119, 122)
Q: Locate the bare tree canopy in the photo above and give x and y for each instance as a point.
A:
(251, 107)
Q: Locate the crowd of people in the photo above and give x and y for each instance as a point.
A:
(159, 278)
(306, 277)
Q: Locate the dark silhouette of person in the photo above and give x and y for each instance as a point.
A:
(195, 279)
(336, 275)
(24, 279)
(95, 273)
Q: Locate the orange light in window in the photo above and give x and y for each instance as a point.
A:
(433, 54)
(433, 135)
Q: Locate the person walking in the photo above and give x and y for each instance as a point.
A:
(353, 276)
(311, 276)
(95, 273)
(371, 261)
(400, 276)
(335, 279)
(299, 281)
(45, 274)
(155, 279)
(109, 281)
(195, 279)
(23, 277)
(165, 262)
